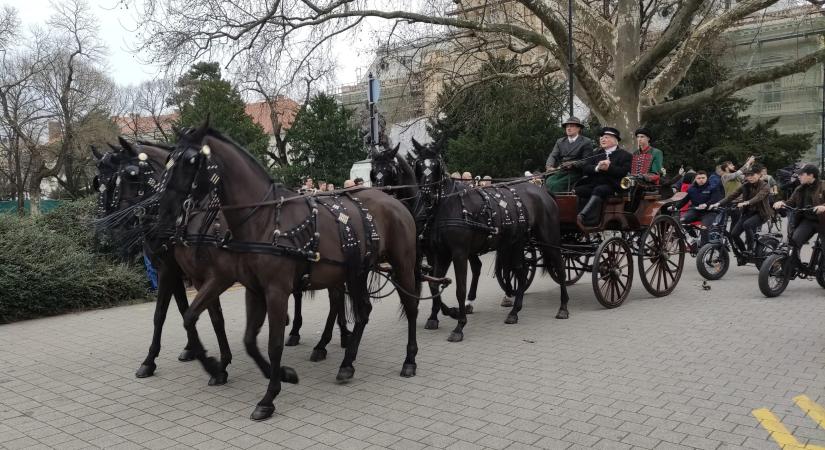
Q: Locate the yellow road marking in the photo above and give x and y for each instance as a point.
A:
(780, 434)
(814, 411)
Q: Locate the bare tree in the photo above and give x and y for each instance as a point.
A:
(142, 110)
(627, 60)
(278, 80)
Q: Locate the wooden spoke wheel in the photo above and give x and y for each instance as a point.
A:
(612, 272)
(507, 279)
(661, 256)
(575, 266)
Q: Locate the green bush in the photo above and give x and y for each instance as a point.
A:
(49, 266)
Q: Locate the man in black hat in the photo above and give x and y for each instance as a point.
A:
(647, 161)
(809, 194)
(752, 200)
(603, 174)
(567, 156)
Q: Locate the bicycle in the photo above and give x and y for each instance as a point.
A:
(713, 258)
(786, 264)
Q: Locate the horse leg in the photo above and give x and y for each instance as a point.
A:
(255, 316)
(558, 265)
(336, 300)
(295, 333)
(410, 304)
(216, 316)
(342, 320)
(277, 312)
(362, 306)
(183, 305)
(168, 282)
(206, 295)
(520, 273)
(460, 269)
(439, 270)
(475, 269)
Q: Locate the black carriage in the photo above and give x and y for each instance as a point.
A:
(631, 226)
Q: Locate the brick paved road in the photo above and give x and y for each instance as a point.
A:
(679, 372)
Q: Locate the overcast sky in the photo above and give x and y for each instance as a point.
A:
(125, 68)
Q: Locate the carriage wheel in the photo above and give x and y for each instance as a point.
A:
(574, 268)
(773, 275)
(612, 272)
(661, 256)
(507, 280)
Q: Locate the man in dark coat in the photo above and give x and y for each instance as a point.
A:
(701, 194)
(752, 199)
(603, 174)
(567, 157)
(809, 194)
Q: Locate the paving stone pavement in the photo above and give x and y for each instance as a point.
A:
(683, 371)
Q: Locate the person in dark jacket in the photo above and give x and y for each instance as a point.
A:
(603, 174)
(752, 199)
(701, 194)
(567, 156)
(809, 194)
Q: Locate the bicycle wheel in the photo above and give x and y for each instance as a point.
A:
(773, 276)
(712, 261)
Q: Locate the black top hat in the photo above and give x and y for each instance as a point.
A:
(644, 131)
(572, 120)
(610, 131)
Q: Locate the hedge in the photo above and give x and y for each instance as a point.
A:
(52, 264)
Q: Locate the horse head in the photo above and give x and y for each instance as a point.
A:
(430, 170)
(385, 170)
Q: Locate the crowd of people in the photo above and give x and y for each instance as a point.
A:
(323, 186)
(595, 173)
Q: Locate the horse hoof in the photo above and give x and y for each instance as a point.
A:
(345, 373)
(289, 375)
(219, 379)
(456, 336)
(468, 309)
(187, 355)
(262, 412)
(344, 340)
(293, 340)
(507, 302)
(318, 354)
(511, 319)
(408, 370)
(562, 315)
(432, 324)
(146, 370)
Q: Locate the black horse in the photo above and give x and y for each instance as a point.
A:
(471, 221)
(389, 169)
(289, 241)
(128, 175)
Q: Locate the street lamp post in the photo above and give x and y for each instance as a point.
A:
(570, 56)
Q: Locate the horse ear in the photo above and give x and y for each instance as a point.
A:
(205, 124)
(96, 153)
(113, 147)
(176, 130)
(127, 146)
(391, 153)
(416, 145)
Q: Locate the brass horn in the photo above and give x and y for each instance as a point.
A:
(627, 182)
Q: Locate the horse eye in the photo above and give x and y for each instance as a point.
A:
(192, 160)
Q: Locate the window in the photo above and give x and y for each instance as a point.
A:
(772, 92)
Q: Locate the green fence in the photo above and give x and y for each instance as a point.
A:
(45, 206)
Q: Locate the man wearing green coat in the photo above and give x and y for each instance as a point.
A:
(567, 157)
(647, 161)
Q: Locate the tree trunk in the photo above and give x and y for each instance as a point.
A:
(34, 197)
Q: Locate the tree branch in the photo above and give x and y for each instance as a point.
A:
(728, 87)
(675, 33)
(679, 63)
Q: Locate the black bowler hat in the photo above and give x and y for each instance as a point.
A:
(572, 120)
(643, 131)
(610, 131)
